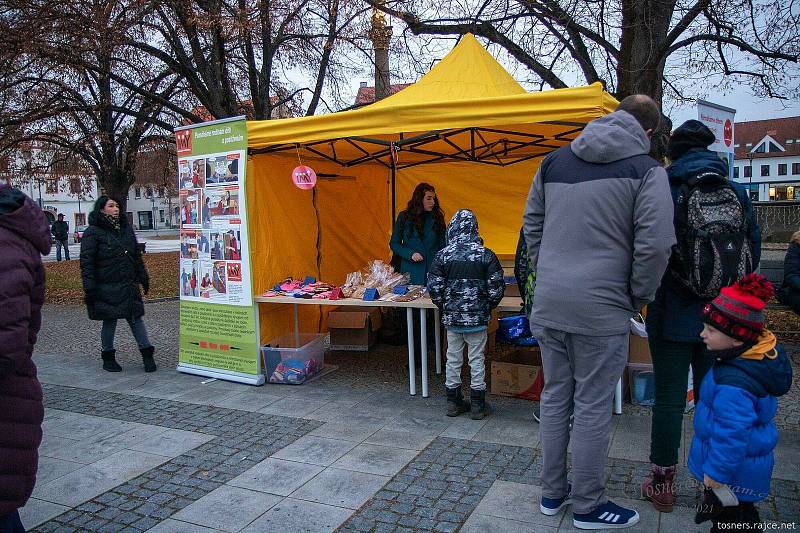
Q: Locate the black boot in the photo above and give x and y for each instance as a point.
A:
(455, 402)
(480, 409)
(109, 362)
(147, 358)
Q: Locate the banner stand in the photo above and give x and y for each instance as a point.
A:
(219, 329)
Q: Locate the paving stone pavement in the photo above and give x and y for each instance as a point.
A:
(242, 440)
(351, 450)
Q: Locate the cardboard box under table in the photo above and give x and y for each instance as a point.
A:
(520, 376)
(354, 328)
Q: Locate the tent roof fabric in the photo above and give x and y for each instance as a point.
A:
(467, 108)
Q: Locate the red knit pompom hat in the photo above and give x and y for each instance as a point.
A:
(738, 311)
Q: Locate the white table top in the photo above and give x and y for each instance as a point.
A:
(509, 303)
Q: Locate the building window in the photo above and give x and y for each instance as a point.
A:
(161, 193)
(782, 169)
(52, 185)
(161, 215)
(765, 170)
(148, 192)
(748, 171)
(795, 168)
(137, 192)
(103, 191)
(736, 173)
(74, 185)
(80, 219)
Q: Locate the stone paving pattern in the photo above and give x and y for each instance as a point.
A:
(354, 449)
(242, 440)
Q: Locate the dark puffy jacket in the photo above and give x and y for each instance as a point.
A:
(112, 269)
(674, 315)
(791, 267)
(466, 279)
(524, 274)
(60, 230)
(24, 236)
(735, 432)
(406, 240)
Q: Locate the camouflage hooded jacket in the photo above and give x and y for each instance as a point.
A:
(466, 279)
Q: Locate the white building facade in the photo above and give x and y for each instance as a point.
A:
(767, 158)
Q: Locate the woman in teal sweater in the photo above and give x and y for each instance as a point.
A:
(419, 233)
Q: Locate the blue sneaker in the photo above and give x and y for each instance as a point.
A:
(551, 506)
(608, 516)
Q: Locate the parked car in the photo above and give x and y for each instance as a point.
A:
(78, 235)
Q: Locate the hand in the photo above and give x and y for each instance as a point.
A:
(417, 257)
(708, 482)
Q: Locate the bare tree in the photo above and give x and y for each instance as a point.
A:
(70, 94)
(682, 48)
(238, 56)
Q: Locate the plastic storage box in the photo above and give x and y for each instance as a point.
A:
(642, 383)
(288, 361)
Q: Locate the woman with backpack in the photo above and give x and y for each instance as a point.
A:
(112, 270)
(674, 317)
(789, 293)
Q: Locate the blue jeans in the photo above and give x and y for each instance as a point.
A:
(110, 328)
(10, 523)
(59, 245)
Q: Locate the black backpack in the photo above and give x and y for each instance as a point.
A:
(714, 248)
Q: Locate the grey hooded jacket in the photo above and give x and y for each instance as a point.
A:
(466, 279)
(598, 224)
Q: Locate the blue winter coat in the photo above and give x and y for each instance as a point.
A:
(674, 315)
(791, 267)
(734, 427)
(406, 240)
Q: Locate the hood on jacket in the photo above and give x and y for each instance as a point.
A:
(615, 136)
(463, 227)
(767, 366)
(20, 215)
(692, 163)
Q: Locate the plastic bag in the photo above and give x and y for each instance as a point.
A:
(516, 330)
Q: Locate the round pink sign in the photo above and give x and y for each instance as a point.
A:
(304, 177)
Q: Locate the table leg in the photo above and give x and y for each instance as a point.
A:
(423, 331)
(296, 326)
(618, 397)
(412, 371)
(438, 331)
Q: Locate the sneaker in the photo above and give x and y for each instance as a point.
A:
(608, 516)
(551, 506)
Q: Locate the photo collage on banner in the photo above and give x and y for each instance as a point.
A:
(211, 268)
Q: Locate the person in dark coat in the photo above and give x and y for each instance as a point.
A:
(674, 321)
(419, 232)
(60, 230)
(24, 237)
(789, 293)
(112, 270)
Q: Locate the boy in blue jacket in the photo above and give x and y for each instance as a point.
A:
(735, 432)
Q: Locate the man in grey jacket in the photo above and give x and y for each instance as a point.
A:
(598, 225)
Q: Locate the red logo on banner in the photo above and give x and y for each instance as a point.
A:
(183, 141)
(727, 132)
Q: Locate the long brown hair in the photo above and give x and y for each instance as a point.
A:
(416, 212)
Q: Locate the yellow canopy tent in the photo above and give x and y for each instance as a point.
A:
(467, 127)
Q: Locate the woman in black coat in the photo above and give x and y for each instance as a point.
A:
(112, 269)
(789, 293)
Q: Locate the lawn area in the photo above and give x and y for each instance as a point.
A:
(64, 279)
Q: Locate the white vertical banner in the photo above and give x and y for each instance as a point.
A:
(720, 120)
